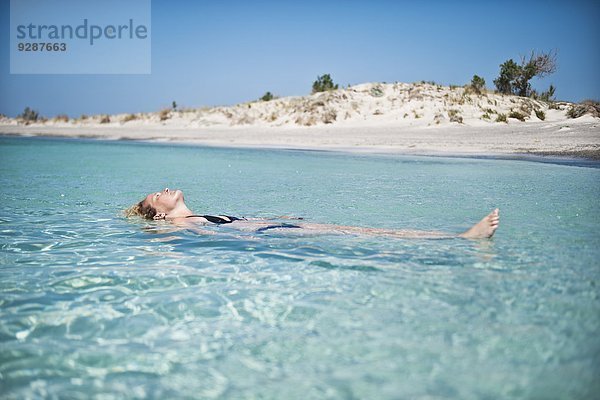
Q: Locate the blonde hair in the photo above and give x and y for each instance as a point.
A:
(141, 210)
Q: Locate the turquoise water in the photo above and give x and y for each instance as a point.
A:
(95, 305)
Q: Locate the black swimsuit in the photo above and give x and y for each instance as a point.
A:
(266, 228)
(218, 219)
(227, 219)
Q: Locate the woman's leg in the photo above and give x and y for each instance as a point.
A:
(481, 230)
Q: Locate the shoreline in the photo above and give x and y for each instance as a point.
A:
(582, 158)
(572, 138)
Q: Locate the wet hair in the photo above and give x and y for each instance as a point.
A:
(142, 210)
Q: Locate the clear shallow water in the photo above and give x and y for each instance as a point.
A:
(95, 305)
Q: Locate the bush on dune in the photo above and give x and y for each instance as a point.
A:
(61, 118)
(164, 115)
(591, 107)
(267, 97)
(129, 117)
(517, 115)
(540, 114)
(376, 91)
(548, 95)
(29, 115)
(477, 84)
(323, 83)
(455, 116)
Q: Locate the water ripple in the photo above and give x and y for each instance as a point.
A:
(93, 305)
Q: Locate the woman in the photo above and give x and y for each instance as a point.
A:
(170, 205)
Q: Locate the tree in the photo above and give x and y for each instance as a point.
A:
(514, 79)
(477, 84)
(323, 83)
(174, 105)
(538, 65)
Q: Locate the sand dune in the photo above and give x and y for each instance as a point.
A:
(418, 118)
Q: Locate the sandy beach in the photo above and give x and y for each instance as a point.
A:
(416, 118)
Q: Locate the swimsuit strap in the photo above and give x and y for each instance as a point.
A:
(217, 219)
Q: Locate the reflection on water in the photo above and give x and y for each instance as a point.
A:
(92, 304)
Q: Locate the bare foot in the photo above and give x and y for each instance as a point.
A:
(484, 228)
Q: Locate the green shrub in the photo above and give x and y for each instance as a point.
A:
(526, 108)
(267, 97)
(585, 107)
(509, 71)
(129, 117)
(323, 83)
(164, 115)
(477, 84)
(485, 116)
(501, 118)
(548, 95)
(455, 116)
(329, 116)
(376, 91)
(61, 118)
(516, 115)
(540, 114)
(29, 115)
(575, 112)
(105, 119)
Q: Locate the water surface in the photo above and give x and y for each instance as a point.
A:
(96, 305)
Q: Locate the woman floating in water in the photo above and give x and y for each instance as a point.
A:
(169, 205)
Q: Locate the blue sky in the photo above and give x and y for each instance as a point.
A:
(225, 52)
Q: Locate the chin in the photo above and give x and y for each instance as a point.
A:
(178, 195)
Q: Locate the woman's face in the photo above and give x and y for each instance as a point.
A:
(165, 201)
